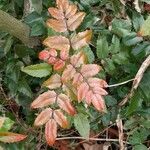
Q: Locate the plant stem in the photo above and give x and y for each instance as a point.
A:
(91, 139)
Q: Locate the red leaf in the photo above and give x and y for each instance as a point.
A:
(98, 102)
(81, 39)
(56, 13)
(78, 59)
(43, 117)
(59, 64)
(53, 82)
(53, 52)
(52, 60)
(57, 42)
(97, 82)
(60, 118)
(88, 97)
(62, 5)
(78, 78)
(9, 137)
(44, 55)
(82, 91)
(90, 70)
(74, 21)
(68, 73)
(44, 99)
(99, 90)
(51, 132)
(57, 25)
(71, 10)
(64, 55)
(65, 104)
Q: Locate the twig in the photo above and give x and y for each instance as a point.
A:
(120, 130)
(122, 2)
(118, 84)
(90, 139)
(137, 80)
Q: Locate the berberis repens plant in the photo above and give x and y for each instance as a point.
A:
(73, 78)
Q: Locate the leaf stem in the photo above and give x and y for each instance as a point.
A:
(118, 84)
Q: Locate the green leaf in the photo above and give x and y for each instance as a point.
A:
(136, 102)
(145, 28)
(115, 46)
(109, 66)
(38, 70)
(102, 48)
(8, 123)
(8, 44)
(110, 101)
(137, 20)
(141, 49)
(132, 39)
(89, 21)
(24, 88)
(37, 6)
(120, 58)
(82, 125)
(121, 27)
(106, 119)
(140, 147)
(89, 54)
(37, 29)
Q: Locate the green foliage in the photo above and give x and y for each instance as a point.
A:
(7, 125)
(81, 123)
(38, 70)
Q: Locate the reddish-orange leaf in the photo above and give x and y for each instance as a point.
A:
(90, 70)
(88, 97)
(52, 60)
(99, 90)
(53, 52)
(56, 13)
(68, 73)
(44, 99)
(57, 42)
(43, 117)
(98, 102)
(53, 82)
(78, 59)
(81, 39)
(97, 82)
(71, 10)
(60, 118)
(59, 64)
(9, 137)
(74, 21)
(51, 132)
(57, 25)
(65, 104)
(62, 5)
(44, 55)
(64, 55)
(77, 79)
(82, 91)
